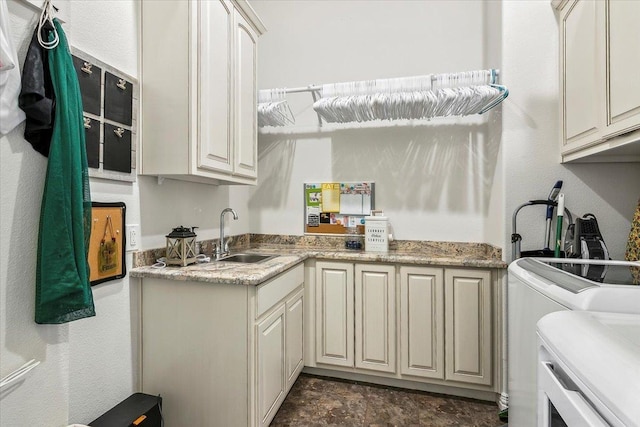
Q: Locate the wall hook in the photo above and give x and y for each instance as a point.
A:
(86, 67)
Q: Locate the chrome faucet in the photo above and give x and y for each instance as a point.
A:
(222, 248)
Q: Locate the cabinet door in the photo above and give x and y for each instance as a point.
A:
(582, 76)
(246, 102)
(270, 353)
(468, 326)
(623, 62)
(375, 322)
(334, 313)
(422, 322)
(294, 343)
(214, 85)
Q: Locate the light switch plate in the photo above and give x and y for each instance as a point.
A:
(133, 237)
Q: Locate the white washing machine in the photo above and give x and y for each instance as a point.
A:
(589, 369)
(539, 286)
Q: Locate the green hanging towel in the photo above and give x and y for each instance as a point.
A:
(63, 291)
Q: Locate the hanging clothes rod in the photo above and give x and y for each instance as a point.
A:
(312, 88)
(316, 88)
(418, 97)
(269, 116)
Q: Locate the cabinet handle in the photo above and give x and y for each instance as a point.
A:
(87, 122)
(86, 67)
(119, 132)
(122, 84)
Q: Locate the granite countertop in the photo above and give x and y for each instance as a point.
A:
(289, 255)
(232, 273)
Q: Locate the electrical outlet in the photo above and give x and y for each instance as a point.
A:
(133, 237)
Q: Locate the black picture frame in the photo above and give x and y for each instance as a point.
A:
(107, 246)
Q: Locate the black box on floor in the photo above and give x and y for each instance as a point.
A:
(137, 410)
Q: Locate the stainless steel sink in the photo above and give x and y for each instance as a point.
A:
(247, 258)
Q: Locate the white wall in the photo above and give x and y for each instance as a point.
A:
(87, 365)
(530, 139)
(436, 181)
(173, 203)
(455, 180)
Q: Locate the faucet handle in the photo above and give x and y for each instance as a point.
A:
(221, 250)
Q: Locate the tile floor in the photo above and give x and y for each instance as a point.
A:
(318, 401)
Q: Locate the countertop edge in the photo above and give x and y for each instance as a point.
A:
(223, 273)
(255, 274)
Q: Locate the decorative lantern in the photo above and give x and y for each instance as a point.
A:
(181, 246)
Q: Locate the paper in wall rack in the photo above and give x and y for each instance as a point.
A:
(405, 98)
(337, 207)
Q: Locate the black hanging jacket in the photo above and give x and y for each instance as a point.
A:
(37, 98)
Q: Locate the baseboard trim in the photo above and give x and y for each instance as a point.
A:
(411, 385)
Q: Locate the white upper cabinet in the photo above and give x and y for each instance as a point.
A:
(199, 90)
(600, 91)
(623, 61)
(581, 82)
(245, 160)
(215, 28)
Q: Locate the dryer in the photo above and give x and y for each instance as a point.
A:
(539, 286)
(589, 369)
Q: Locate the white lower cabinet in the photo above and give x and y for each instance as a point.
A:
(279, 345)
(468, 322)
(436, 327)
(334, 314)
(422, 322)
(355, 316)
(270, 356)
(375, 321)
(222, 355)
(294, 340)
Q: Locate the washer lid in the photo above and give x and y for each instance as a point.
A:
(602, 271)
(578, 275)
(556, 276)
(601, 351)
